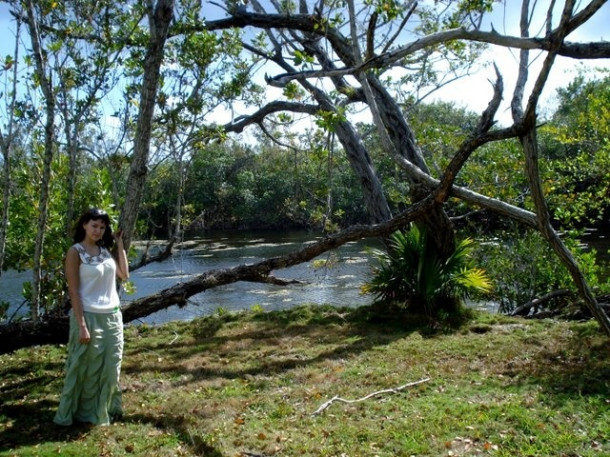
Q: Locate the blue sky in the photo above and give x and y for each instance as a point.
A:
(475, 91)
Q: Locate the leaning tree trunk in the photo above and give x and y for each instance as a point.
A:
(437, 223)
(548, 232)
(359, 160)
(362, 165)
(54, 330)
(527, 119)
(395, 132)
(159, 19)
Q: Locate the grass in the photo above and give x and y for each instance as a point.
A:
(247, 384)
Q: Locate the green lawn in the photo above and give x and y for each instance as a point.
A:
(247, 385)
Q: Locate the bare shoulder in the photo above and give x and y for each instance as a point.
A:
(72, 255)
(72, 251)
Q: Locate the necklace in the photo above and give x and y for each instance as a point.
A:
(91, 258)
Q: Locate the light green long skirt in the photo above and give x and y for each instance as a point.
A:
(91, 390)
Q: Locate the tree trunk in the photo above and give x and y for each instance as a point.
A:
(49, 144)
(54, 330)
(72, 149)
(159, 19)
(548, 232)
(6, 195)
(43, 207)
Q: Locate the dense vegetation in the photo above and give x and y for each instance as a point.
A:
(266, 186)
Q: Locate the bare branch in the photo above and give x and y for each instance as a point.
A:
(326, 404)
(274, 107)
(486, 121)
(524, 309)
(400, 28)
(584, 15)
(597, 50)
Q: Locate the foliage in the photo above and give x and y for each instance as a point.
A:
(411, 274)
(264, 185)
(234, 186)
(21, 234)
(524, 267)
(578, 149)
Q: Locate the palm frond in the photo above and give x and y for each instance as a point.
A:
(412, 271)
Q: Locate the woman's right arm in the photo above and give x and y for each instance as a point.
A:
(71, 269)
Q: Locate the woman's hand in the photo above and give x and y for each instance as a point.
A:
(118, 236)
(83, 335)
(121, 256)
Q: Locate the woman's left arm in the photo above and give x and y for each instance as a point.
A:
(122, 268)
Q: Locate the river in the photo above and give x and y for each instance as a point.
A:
(337, 283)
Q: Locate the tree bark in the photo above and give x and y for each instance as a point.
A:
(159, 20)
(46, 86)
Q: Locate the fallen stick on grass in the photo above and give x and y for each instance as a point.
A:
(374, 394)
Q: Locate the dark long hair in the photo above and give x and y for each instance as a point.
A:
(95, 214)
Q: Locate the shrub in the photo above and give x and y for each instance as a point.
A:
(524, 267)
(414, 277)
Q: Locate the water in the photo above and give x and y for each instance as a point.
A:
(600, 241)
(11, 291)
(337, 282)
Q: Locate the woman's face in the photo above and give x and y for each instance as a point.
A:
(94, 229)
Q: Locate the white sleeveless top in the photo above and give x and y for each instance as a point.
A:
(97, 275)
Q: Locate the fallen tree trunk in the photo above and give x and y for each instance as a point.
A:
(525, 309)
(54, 330)
(146, 258)
(260, 271)
(48, 330)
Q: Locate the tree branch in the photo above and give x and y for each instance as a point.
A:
(325, 405)
(593, 50)
(524, 309)
(274, 107)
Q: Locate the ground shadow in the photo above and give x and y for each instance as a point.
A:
(30, 423)
(178, 427)
(348, 331)
(579, 367)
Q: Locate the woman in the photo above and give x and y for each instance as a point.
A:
(95, 349)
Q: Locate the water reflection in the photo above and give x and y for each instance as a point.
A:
(334, 277)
